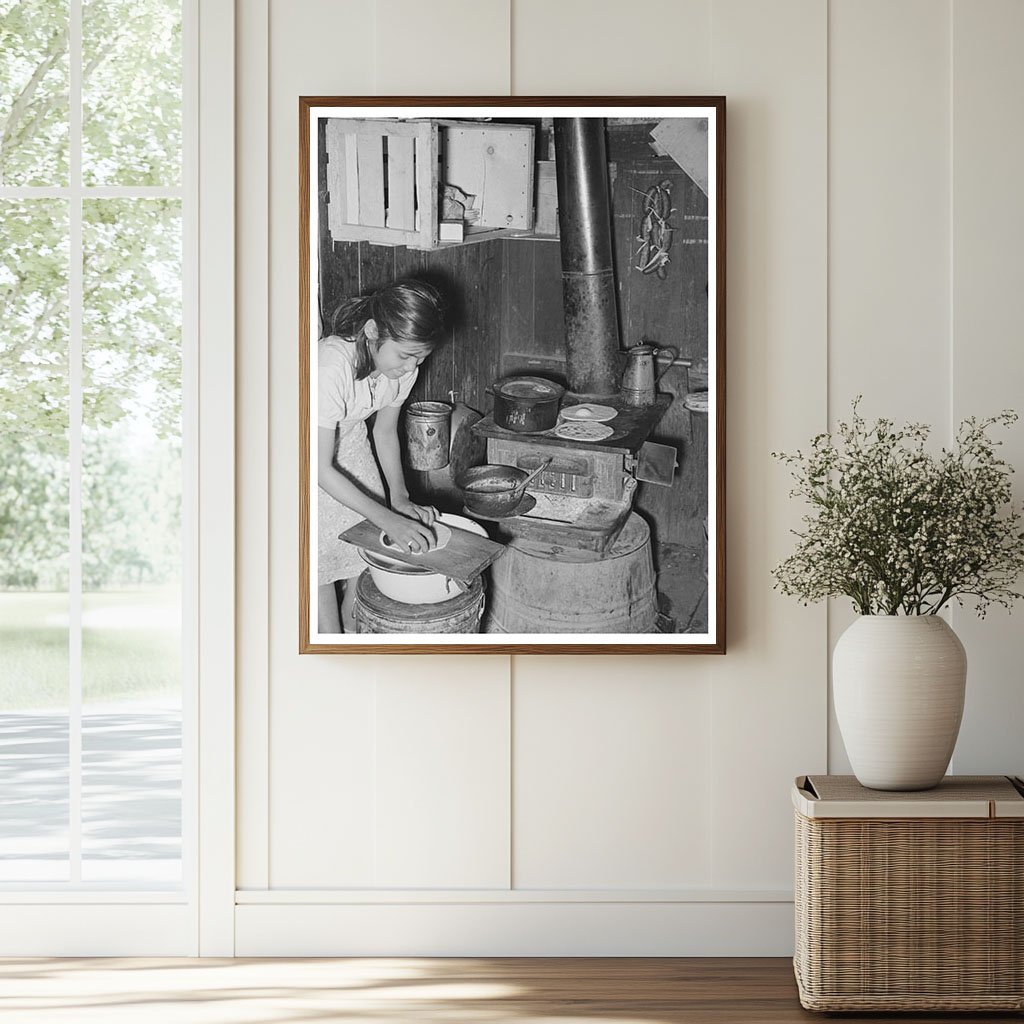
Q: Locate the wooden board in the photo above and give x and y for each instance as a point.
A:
(401, 183)
(370, 149)
(376, 266)
(426, 188)
(547, 199)
(336, 177)
(350, 158)
(465, 557)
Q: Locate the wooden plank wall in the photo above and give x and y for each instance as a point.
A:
(533, 324)
(670, 312)
(470, 276)
(674, 311)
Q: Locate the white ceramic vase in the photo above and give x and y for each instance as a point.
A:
(898, 684)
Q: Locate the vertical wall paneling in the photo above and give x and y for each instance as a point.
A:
(444, 48)
(888, 223)
(376, 265)
(988, 327)
(607, 48)
(532, 318)
(611, 787)
(889, 202)
(769, 692)
(442, 774)
(339, 276)
(320, 708)
(492, 285)
(517, 302)
(436, 375)
(548, 315)
(252, 463)
(323, 812)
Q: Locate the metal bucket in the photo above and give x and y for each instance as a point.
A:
(428, 434)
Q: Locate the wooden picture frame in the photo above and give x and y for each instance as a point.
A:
(366, 219)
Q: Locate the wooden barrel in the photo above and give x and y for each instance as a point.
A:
(540, 593)
(376, 613)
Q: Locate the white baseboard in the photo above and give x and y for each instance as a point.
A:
(99, 928)
(520, 928)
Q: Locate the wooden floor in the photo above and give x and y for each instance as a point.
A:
(412, 991)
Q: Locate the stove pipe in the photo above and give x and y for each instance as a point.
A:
(588, 278)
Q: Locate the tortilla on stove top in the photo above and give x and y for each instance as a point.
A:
(577, 431)
(589, 413)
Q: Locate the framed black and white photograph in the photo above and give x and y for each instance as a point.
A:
(512, 381)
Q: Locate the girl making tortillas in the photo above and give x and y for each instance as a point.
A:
(368, 365)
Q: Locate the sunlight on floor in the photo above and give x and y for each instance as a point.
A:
(220, 991)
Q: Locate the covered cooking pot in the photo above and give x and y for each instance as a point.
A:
(527, 404)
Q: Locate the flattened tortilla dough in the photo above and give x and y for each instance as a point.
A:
(441, 532)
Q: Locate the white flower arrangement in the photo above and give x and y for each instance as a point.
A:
(897, 529)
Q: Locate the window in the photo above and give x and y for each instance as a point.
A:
(96, 463)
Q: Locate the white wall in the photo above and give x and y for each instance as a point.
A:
(626, 805)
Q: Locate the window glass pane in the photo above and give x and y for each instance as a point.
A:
(131, 777)
(33, 540)
(33, 92)
(131, 541)
(131, 92)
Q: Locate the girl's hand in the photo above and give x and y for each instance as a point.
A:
(408, 534)
(426, 514)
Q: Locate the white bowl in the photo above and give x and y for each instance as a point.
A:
(426, 588)
(413, 585)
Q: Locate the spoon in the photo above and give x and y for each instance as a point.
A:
(521, 487)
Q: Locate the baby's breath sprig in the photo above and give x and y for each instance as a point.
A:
(899, 530)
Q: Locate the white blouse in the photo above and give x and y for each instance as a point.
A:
(341, 398)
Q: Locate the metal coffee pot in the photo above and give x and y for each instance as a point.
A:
(640, 377)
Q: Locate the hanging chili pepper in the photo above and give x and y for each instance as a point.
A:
(655, 234)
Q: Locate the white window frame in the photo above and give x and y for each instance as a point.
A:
(197, 918)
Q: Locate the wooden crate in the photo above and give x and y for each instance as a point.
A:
(382, 181)
(384, 177)
(909, 901)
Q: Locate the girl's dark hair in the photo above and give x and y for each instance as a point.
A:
(408, 310)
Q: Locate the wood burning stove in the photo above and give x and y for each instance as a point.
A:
(583, 499)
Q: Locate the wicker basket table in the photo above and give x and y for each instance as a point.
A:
(910, 901)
